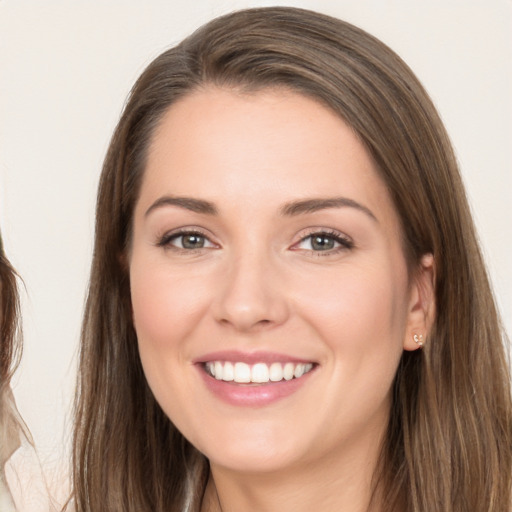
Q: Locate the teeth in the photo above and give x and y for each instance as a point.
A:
(242, 373)
(299, 371)
(218, 370)
(276, 372)
(288, 371)
(259, 373)
(228, 372)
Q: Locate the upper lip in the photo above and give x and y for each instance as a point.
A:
(250, 357)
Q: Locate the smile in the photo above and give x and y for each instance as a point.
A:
(259, 373)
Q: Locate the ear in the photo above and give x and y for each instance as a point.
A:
(422, 307)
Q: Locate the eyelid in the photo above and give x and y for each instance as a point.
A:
(164, 240)
(344, 241)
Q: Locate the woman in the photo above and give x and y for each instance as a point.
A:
(22, 486)
(288, 307)
(9, 358)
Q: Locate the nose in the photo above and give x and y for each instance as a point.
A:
(252, 295)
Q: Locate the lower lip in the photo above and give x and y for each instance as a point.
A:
(253, 395)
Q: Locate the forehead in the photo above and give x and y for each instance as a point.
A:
(274, 144)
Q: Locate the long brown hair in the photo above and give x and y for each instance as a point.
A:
(11, 424)
(10, 332)
(448, 445)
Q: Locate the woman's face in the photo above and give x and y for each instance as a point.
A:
(270, 292)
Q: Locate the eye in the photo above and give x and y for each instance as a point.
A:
(324, 242)
(186, 240)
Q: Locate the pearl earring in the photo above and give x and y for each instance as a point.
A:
(418, 339)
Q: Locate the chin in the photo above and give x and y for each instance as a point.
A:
(252, 460)
(260, 450)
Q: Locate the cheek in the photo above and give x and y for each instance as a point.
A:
(361, 320)
(360, 305)
(166, 306)
(361, 317)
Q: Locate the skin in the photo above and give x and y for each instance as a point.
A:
(258, 283)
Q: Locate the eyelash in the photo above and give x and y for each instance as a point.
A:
(344, 242)
(166, 240)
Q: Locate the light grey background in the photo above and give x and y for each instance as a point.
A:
(65, 70)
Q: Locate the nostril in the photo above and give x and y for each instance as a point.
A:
(246, 324)
(246, 305)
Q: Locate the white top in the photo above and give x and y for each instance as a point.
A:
(22, 484)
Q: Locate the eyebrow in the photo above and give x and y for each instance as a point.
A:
(316, 204)
(289, 209)
(188, 203)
